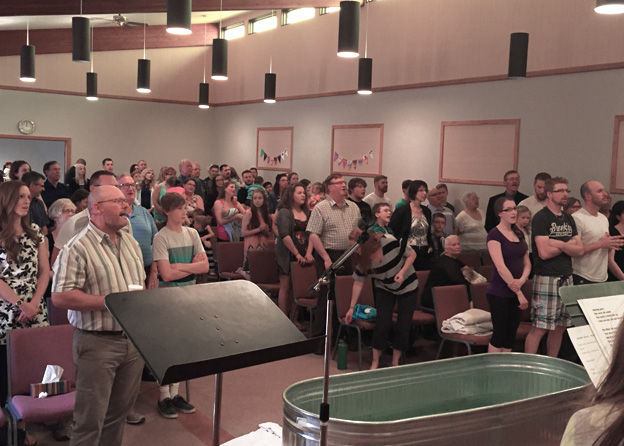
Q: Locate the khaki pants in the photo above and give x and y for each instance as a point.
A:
(108, 374)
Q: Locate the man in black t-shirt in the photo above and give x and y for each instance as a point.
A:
(555, 242)
(357, 191)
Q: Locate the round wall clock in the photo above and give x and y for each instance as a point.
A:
(26, 126)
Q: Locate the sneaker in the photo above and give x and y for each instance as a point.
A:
(135, 418)
(167, 409)
(180, 403)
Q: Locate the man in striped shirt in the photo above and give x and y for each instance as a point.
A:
(100, 260)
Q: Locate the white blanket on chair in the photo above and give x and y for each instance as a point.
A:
(470, 322)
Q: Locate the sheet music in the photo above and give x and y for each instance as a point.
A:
(595, 362)
(604, 315)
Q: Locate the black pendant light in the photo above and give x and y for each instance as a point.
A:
(143, 69)
(143, 76)
(219, 55)
(349, 29)
(365, 65)
(270, 81)
(609, 6)
(365, 75)
(27, 60)
(204, 88)
(518, 52)
(204, 91)
(179, 16)
(92, 80)
(92, 86)
(81, 41)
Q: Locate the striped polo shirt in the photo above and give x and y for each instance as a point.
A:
(91, 262)
(391, 263)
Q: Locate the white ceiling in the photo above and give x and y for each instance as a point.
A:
(65, 21)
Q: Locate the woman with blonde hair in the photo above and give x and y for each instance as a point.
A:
(79, 180)
(146, 187)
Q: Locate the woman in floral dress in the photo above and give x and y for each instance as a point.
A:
(24, 268)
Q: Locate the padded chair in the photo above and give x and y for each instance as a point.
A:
(486, 258)
(30, 350)
(230, 257)
(486, 271)
(449, 301)
(344, 288)
(302, 277)
(263, 270)
(420, 317)
(470, 258)
(479, 298)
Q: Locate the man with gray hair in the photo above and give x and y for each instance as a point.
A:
(186, 171)
(512, 183)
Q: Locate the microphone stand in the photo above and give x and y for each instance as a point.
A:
(329, 278)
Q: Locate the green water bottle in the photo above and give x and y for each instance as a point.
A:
(342, 355)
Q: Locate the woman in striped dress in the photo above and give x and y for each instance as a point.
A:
(395, 282)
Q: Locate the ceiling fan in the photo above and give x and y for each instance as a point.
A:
(121, 20)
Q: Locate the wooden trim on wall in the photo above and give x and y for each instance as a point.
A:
(69, 7)
(444, 83)
(117, 38)
(613, 186)
(468, 179)
(46, 138)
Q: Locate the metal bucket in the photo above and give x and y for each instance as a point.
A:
(490, 399)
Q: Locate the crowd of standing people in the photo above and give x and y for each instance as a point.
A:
(141, 230)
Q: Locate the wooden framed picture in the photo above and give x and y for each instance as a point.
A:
(478, 152)
(617, 157)
(357, 150)
(274, 148)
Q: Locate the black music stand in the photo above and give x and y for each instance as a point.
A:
(188, 332)
(571, 294)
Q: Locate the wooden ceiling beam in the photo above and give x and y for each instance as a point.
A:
(53, 41)
(72, 7)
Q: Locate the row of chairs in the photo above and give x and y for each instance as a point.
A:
(476, 258)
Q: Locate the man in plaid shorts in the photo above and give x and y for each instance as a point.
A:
(555, 242)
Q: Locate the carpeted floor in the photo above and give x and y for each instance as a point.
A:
(250, 396)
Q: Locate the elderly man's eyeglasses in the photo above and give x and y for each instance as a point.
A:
(117, 201)
(127, 185)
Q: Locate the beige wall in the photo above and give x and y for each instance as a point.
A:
(412, 43)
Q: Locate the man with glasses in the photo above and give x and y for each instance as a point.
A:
(37, 210)
(79, 221)
(593, 230)
(330, 224)
(101, 260)
(555, 242)
(512, 183)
